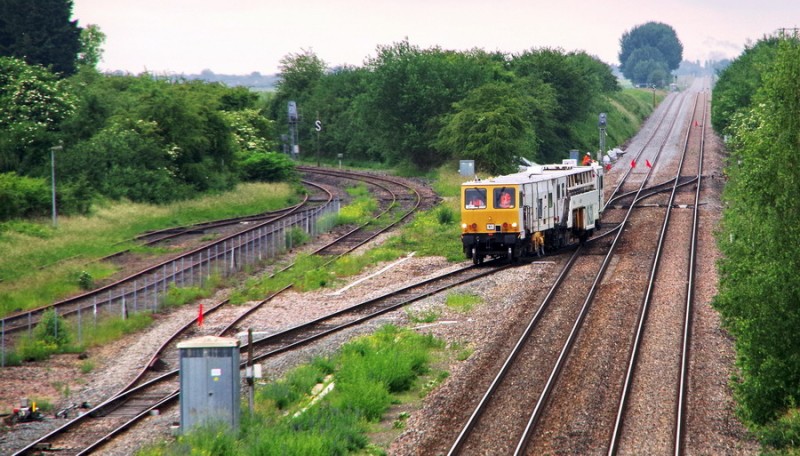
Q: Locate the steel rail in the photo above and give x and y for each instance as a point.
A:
(689, 304)
(567, 347)
(483, 403)
(26, 319)
(288, 339)
(131, 390)
(645, 306)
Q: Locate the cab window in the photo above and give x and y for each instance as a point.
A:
(504, 198)
(475, 198)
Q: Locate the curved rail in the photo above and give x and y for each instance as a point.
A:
(273, 345)
(138, 385)
(105, 294)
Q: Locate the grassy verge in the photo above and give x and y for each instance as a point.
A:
(433, 233)
(54, 335)
(328, 406)
(40, 264)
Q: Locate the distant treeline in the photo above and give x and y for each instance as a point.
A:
(254, 80)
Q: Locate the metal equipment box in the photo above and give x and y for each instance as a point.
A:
(210, 382)
(466, 167)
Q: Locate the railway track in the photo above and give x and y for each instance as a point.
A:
(674, 363)
(525, 410)
(156, 384)
(147, 392)
(257, 237)
(145, 288)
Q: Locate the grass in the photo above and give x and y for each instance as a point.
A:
(40, 264)
(462, 302)
(430, 233)
(368, 374)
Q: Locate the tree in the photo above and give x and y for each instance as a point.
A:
(491, 125)
(738, 84)
(340, 101)
(91, 39)
(412, 88)
(40, 33)
(563, 86)
(758, 297)
(34, 103)
(654, 42)
(299, 75)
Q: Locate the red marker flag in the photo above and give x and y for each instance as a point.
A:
(608, 167)
(200, 316)
(633, 163)
(647, 162)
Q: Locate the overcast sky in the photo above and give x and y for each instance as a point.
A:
(243, 36)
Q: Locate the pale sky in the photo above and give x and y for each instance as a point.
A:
(243, 36)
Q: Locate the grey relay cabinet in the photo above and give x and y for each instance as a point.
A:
(210, 382)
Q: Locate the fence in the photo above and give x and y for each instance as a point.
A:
(146, 291)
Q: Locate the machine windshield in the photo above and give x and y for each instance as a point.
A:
(504, 198)
(475, 198)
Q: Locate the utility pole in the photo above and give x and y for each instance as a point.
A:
(601, 123)
(654, 97)
(53, 150)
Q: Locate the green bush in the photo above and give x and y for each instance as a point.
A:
(287, 392)
(214, 439)
(296, 237)
(268, 167)
(52, 330)
(782, 433)
(280, 393)
(23, 196)
(31, 349)
(358, 394)
(85, 280)
(445, 215)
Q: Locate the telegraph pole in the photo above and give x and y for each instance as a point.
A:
(53, 150)
(601, 123)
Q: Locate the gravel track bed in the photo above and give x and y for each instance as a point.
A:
(507, 412)
(490, 329)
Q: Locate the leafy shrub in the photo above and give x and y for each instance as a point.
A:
(52, 330)
(214, 439)
(23, 196)
(31, 349)
(445, 215)
(280, 393)
(268, 167)
(296, 237)
(782, 433)
(85, 280)
(357, 393)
